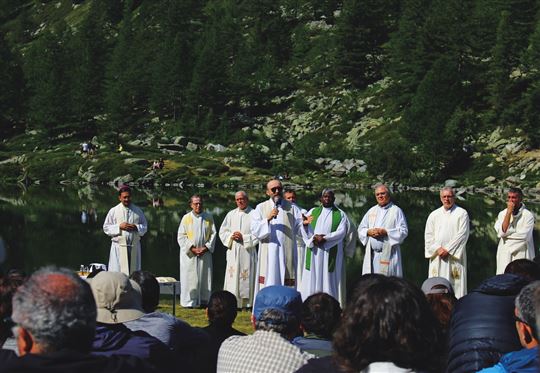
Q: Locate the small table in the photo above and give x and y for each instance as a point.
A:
(170, 287)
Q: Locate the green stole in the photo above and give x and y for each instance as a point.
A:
(336, 219)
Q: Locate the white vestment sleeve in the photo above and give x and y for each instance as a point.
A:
(350, 238)
(260, 227)
(456, 246)
(110, 226)
(333, 238)
(397, 234)
(225, 231)
(210, 244)
(142, 227)
(249, 240)
(183, 241)
(363, 228)
(431, 246)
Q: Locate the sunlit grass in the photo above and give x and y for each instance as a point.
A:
(197, 317)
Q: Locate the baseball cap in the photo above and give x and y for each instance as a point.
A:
(430, 283)
(282, 298)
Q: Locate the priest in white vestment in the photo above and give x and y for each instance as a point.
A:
(446, 235)
(324, 261)
(514, 227)
(275, 225)
(290, 195)
(125, 223)
(235, 234)
(382, 229)
(196, 238)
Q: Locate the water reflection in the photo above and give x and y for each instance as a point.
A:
(62, 226)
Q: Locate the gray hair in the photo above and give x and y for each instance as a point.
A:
(381, 185)
(242, 193)
(526, 303)
(57, 307)
(447, 189)
(274, 320)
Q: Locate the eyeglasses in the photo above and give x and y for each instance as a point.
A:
(276, 189)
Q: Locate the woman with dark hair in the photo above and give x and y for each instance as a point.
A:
(388, 325)
(440, 296)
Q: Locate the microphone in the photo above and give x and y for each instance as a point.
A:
(277, 202)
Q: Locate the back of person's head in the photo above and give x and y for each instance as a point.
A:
(118, 299)
(278, 309)
(57, 308)
(525, 304)
(222, 308)
(149, 289)
(525, 268)
(440, 296)
(320, 315)
(388, 320)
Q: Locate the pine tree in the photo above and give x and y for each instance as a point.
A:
(120, 77)
(429, 125)
(47, 62)
(89, 47)
(363, 28)
(11, 87)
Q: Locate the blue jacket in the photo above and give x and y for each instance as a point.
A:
(522, 361)
(482, 327)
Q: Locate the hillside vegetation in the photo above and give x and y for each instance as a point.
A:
(410, 91)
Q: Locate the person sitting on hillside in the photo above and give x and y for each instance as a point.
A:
(275, 318)
(221, 313)
(321, 314)
(526, 359)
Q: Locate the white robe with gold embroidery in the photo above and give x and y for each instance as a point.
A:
(448, 229)
(241, 256)
(196, 272)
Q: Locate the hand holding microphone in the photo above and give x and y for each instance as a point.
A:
(275, 211)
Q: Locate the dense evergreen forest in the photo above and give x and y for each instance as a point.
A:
(419, 90)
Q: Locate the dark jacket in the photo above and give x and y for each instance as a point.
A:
(117, 339)
(482, 328)
(314, 345)
(74, 361)
(216, 334)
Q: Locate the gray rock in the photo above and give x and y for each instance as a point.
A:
(191, 146)
(137, 161)
(216, 147)
(451, 183)
(490, 179)
(173, 147)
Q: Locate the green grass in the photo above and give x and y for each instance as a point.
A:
(197, 317)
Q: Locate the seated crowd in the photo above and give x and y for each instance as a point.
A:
(57, 322)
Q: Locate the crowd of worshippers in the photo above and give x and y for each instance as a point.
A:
(279, 243)
(56, 321)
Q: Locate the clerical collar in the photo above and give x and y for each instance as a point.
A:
(386, 206)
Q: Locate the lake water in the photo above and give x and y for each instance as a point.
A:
(63, 226)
